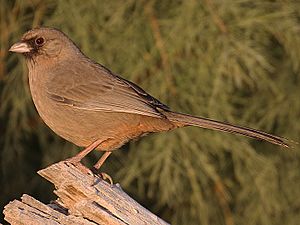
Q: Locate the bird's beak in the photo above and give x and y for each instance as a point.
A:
(20, 47)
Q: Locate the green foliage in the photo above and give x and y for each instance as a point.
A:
(235, 61)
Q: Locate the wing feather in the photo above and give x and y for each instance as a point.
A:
(91, 86)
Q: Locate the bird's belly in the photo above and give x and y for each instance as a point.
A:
(83, 127)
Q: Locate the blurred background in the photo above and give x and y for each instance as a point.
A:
(235, 60)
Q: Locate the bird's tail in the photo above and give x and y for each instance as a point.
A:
(181, 120)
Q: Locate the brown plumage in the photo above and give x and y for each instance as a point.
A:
(88, 105)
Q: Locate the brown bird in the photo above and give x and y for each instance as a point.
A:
(90, 106)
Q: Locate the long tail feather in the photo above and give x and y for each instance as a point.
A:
(188, 120)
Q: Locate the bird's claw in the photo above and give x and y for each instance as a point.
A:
(103, 176)
(78, 165)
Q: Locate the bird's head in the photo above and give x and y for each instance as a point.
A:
(44, 43)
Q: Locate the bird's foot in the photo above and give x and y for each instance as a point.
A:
(74, 161)
(103, 176)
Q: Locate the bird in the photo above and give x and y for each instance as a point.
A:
(87, 104)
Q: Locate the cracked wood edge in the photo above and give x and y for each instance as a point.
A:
(30, 211)
(84, 196)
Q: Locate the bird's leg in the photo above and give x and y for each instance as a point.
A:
(101, 160)
(77, 158)
(100, 163)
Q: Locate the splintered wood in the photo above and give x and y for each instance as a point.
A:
(82, 199)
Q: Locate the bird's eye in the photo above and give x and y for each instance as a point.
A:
(39, 41)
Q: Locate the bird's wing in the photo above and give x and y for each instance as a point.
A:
(91, 86)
